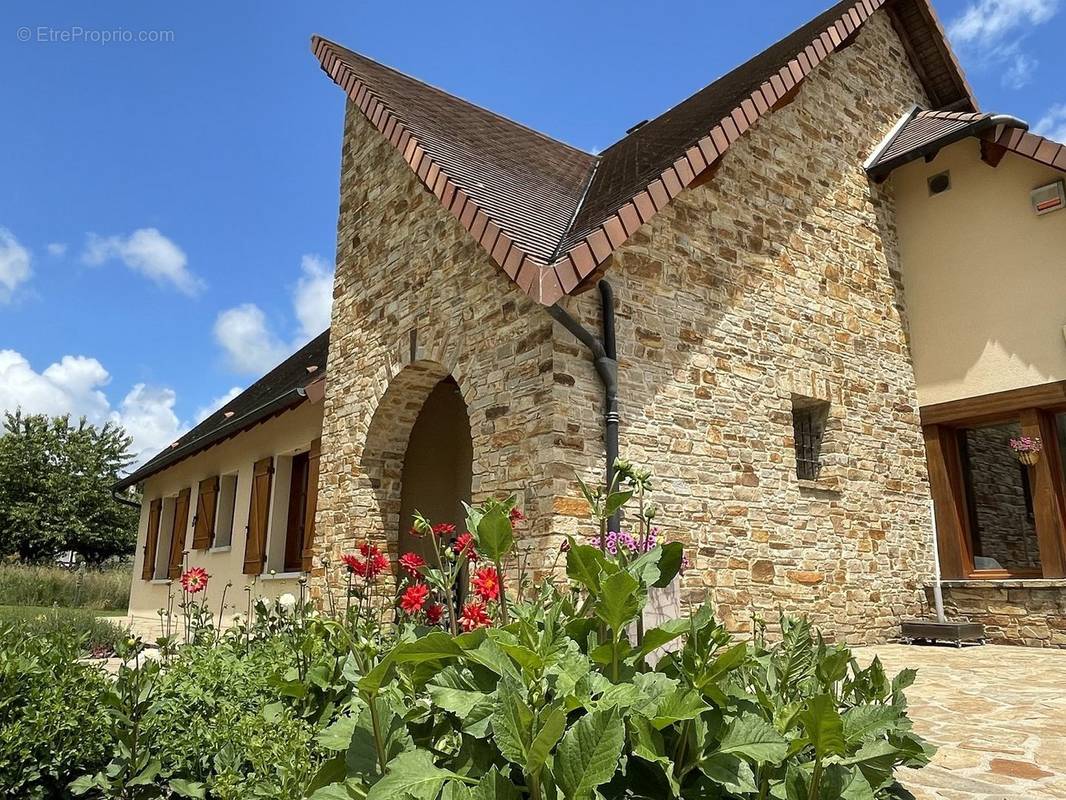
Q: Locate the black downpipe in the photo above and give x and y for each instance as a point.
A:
(605, 359)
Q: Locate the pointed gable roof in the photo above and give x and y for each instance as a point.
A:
(551, 215)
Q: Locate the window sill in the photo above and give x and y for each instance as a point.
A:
(1004, 583)
(160, 581)
(223, 549)
(281, 576)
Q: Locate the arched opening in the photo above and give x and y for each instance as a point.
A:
(437, 465)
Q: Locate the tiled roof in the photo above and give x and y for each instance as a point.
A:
(551, 215)
(277, 391)
(920, 133)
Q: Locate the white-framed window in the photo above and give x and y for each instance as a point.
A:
(288, 507)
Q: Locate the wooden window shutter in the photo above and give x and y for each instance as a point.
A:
(312, 503)
(177, 536)
(203, 524)
(258, 513)
(151, 539)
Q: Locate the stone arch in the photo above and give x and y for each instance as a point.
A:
(385, 447)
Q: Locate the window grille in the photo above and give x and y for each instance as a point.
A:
(808, 428)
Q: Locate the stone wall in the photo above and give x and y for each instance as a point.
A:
(777, 280)
(1022, 612)
(416, 300)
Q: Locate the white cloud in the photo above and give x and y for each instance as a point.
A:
(149, 252)
(312, 299)
(148, 416)
(1019, 70)
(247, 340)
(14, 264)
(73, 385)
(57, 249)
(1053, 123)
(212, 406)
(989, 21)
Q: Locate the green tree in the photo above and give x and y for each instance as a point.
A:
(55, 489)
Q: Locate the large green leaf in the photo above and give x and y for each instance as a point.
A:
(512, 722)
(865, 722)
(588, 754)
(552, 723)
(648, 744)
(494, 786)
(338, 735)
(823, 726)
(585, 564)
(730, 771)
(673, 554)
(621, 599)
(615, 500)
(664, 634)
(412, 776)
(434, 646)
(458, 701)
(750, 736)
(680, 704)
(494, 535)
(361, 759)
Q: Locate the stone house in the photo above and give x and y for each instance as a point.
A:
(722, 296)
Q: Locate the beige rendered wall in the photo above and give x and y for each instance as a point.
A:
(284, 435)
(984, 277)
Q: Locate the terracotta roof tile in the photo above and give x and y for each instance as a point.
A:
(545, 199)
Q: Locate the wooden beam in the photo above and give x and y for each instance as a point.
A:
(992, 153)
(1049, 509)
(949, 503)
(997, 406)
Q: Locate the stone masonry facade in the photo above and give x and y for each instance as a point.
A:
(778, 280)
(1029, 612)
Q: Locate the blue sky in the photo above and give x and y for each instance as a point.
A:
(168, 207)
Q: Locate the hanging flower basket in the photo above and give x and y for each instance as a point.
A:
(1027, 449)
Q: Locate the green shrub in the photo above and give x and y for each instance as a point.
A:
(52, 723)
(30, 585)
(213, 722)
(79, 627)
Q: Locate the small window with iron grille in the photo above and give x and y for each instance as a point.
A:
(808, 427)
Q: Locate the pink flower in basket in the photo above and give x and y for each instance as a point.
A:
(1027, 448)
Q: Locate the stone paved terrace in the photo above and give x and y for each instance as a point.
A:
(997, 713)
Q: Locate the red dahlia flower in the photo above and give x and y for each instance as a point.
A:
(442, 529)
(434, 613)
(413, 598)
(474, 616)
(517, 515)
(194, 580)
(465, 544)
(486, 584)
(412, 562)
(373, 566)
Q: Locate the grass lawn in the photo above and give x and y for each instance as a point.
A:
(84, 623)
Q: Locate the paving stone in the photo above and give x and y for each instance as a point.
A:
(996, 713)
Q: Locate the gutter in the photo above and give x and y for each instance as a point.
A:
(605, 359)
(124, 500)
